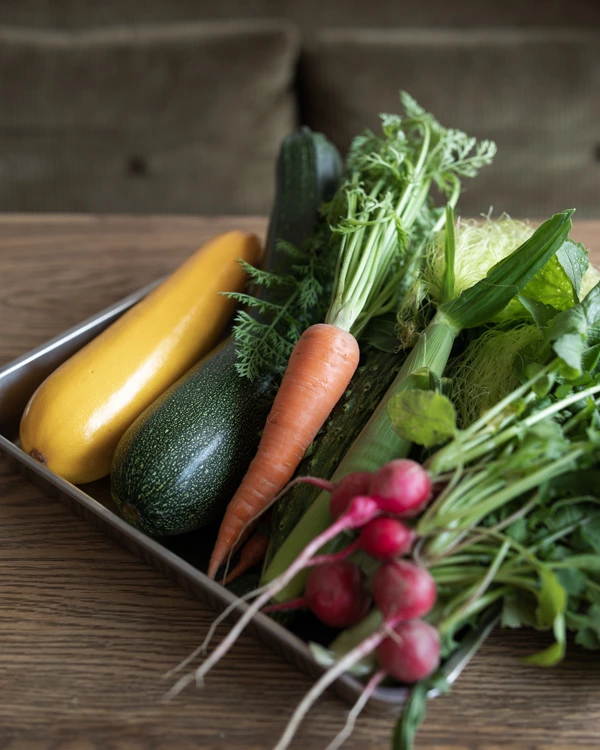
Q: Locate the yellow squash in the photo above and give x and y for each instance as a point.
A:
(74, 420)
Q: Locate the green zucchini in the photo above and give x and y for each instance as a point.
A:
(177, 466)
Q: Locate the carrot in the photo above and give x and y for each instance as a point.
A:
(381, 218)
(252, 554)
(319, 371)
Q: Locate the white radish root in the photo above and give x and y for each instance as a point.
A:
(347, 661)
(361, 511)
(356, 710)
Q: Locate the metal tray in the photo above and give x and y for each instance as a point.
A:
(174, 556)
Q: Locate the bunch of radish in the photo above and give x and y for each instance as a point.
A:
(376, 506)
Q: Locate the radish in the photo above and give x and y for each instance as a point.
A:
(402, 487)
(403, 591)
(348, 488)
(384, 538)
(334, 593)
(412, 653)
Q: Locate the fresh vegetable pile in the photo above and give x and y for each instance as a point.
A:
(403, 426)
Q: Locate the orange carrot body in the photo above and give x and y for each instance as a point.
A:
(252, 554)
(319, 371)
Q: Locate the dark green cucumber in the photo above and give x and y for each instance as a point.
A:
(368, 386)
(166, 474)
(308, 171)
(177, 466)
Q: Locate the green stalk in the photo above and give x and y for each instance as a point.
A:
(471, 514)
(477, 592)
(476, 607)
(465, 454)
(351, 637)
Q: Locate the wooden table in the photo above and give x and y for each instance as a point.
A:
(87, 630)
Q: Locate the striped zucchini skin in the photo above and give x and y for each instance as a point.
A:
(177, 466)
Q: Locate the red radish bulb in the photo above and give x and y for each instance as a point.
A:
(413, 653)
(360, 510)
(349, 487)
(403, 590)
(402, 487)
(336, 595)
(384, 538)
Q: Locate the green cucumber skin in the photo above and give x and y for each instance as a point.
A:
(180, 462)
(368, 386)
(178, 465)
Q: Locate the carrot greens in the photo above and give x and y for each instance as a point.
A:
(374, 226)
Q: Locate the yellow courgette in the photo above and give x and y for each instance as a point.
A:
(75, 419)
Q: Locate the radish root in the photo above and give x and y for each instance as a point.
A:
(361, 511)
(356, 710)
(211, 632)
(347, 661)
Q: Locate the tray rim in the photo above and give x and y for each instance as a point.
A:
(268, 631)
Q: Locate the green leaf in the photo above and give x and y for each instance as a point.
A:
(552, 599)
(569, 329)
(580, 318)
(517, 530)
(518, 609)
(543, 385)
(554, 653)
(591, 533)
(550, 287)
(572, 580)
(588, 638)
(569, 348)
(590, 358)
(481, 302)
(411, 719)
(563, 391)
(591, 306)
(422, 417)
(587, 625)
(541, 313)
(573, 258)
(549, 657)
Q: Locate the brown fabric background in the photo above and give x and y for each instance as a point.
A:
(535, 92)
(168, 106)
(309, 15)
(160, 118)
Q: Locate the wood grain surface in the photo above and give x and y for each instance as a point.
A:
(87, 630)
